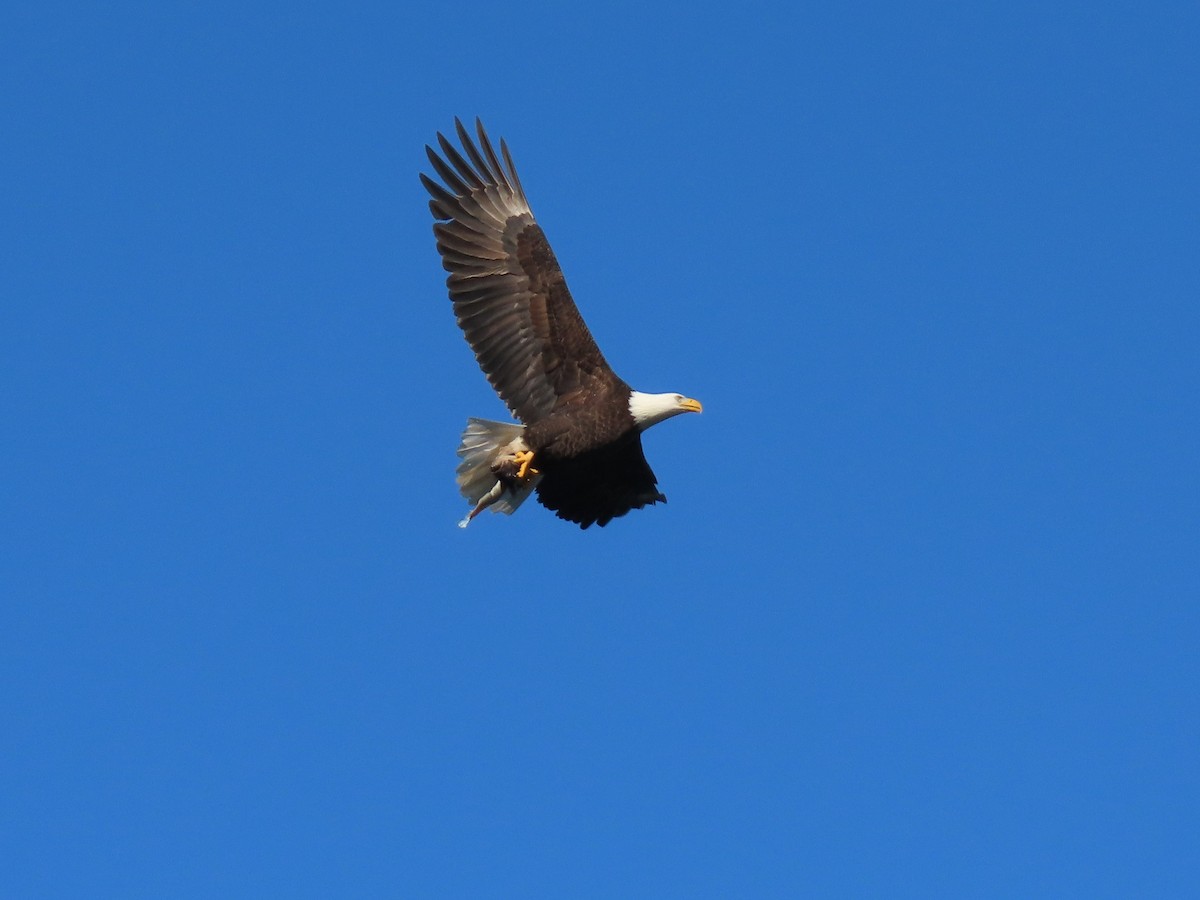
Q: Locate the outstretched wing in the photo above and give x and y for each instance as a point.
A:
(600, 485)
(509, 294)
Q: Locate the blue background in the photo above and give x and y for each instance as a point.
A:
(920, 618)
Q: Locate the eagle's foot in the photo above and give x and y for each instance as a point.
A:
(524, 461)
(517, 468)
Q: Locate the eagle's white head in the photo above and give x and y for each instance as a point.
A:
(650, 409)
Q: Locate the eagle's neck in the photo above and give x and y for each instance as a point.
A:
(650, 409)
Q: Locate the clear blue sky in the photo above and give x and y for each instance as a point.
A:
(920, 618)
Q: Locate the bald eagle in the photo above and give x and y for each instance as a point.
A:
(580, 444)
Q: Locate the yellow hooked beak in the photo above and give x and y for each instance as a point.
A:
(687, 404)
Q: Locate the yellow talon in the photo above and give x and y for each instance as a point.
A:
(523, 459)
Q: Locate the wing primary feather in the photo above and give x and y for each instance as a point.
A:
(512, 171)
(469, 146)
(493, 163)
(481, 163)
(446, 173)
(467, 229)
(486, 246)
(464, 168)
(443, 202)
(490, 213)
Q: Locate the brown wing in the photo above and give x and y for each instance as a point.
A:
(508, 291)
(598, 486)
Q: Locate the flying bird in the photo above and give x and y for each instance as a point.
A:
(579, 444)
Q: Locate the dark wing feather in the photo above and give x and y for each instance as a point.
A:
(600, 485)
(509, 294)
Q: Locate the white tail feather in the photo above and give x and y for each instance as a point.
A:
(482, 443)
